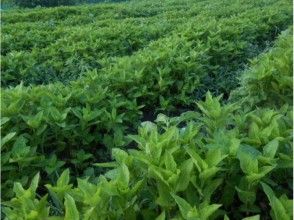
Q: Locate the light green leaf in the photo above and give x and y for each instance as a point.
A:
(107, 164)
(156, 175)
(208, 173)
(213, 157)
(124, 175)
(71, 212)
(34, 121)
(278, 209)
(119, 155)
(184, 206)
(248, 163)
(271, 148)
(35, 182)
(198, 161)
(170, 162)
(256, 217)
(63, 179)
(4, 120)
(185, 175)
(7, 138)
(207, 211)
(161, 216)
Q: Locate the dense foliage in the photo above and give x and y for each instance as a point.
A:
(78, 82)
(48, 3)
(45, 3)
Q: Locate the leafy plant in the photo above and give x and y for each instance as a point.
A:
(203, 157)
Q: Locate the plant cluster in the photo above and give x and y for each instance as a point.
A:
(54, 49)
(53, 3)
(51, 51)
(204, 156)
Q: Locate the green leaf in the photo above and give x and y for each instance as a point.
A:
(184, 206)
(255, 217)
(208, 173)
(164, 199)
(198, 161)
(185, 174)
(248, 163)
(214, 157)
(207, 211)
(210, 188)
(162, 118)
(20, 149)
(271, 148)
(71, 212)
(153, 172)
(246, 197)
(124, 175)
(161, 216)
(7, 138)
(226, 217)
(34, 121)
(107, 164)
(4, 120)
(257, 176)
(18, 189)
(64, 178)
(278, 209)
(170, 162)
(35, 182)
(119, 155)
(287, 203)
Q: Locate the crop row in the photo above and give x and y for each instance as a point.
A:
(44, 55)
(21, 32)
(39, 56)
(98, 11)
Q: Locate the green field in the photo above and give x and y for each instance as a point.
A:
(148, 110)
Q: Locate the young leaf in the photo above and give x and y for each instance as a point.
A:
(248, 164)
(71, 212)
(184, 206)
(64, 178)
(271, 148)
(7, 138)
(207, 211)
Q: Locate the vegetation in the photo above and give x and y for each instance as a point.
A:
(48, 3)
(195, 130)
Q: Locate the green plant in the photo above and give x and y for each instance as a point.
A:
(177, 173)
(217, 158)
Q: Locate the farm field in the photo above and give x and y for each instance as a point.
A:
(153, 110)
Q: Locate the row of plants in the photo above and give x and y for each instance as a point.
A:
(41, 55)
(58, 126)
(64, 54)
(12, 4)
(21, 33)
(207, 54)
(99, 11)
(223, 161)
(69, 57)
